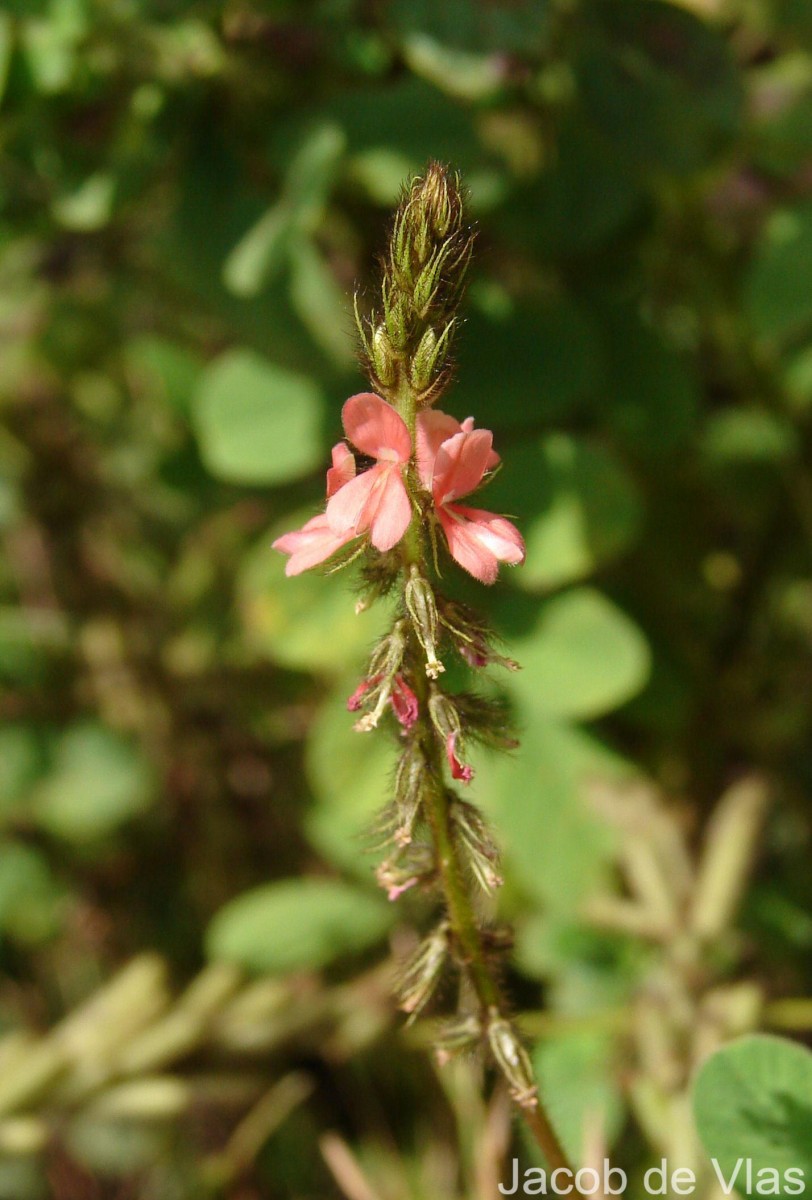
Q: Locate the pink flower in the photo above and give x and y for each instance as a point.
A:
(459, 770)
(376, 500)
(452, 459)
(395, 692)
(310, 545)
(317, 540)
(404, 703)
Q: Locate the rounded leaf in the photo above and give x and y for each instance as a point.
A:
(298, 924)
(753, 1100)
(257, 423)
(583, 657)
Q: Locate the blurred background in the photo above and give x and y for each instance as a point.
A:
(195, 991)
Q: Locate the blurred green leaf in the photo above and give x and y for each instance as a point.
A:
(257, 422)
(582, 658)
(581, 199)
(260, 254)
(748, 435)
(752, 1103)
(578, 1073)
(21, 763)
(98, 781)
(165, 370)
(778, 284)
(350, 775)
(264, 248)
(6, 49)
(651, 394)
(408, 118)
(89, 206)
(29, 894)
(520, 28)
(528, 367)
(555, 850)
(324, 308)
(307, 622)
(295, 925)
(662, 86)
(576, 506)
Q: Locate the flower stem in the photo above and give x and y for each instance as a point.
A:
(458, 900)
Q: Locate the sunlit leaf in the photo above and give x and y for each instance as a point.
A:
(296, 924)
(752, 1104)
(257, 422)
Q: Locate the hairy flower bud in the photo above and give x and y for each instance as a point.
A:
(420, 975)
(411, 777)
(512, 1059)
(422, 608)
(446, 720)
(383, 359)
(457, 1036)
(479, 848)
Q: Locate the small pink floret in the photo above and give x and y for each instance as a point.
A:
(376, 501)
(459, 770)
(452, 460)
(404, 703)
(312, 544)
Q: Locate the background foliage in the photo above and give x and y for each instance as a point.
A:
(189, 192)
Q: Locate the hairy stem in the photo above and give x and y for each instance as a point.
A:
(456, 891)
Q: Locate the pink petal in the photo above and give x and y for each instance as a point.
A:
(343, 468)
(376, 500)
(375, 428)
(393, 512)
(433, 428)
(459, 770)
(346, 508)
(460, 464)
(480, 540)
(355, 700)
(404, 703)
(312, 544)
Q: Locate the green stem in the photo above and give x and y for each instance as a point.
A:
(459, 903)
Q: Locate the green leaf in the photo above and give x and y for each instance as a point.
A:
(323, 307)
(588, 508)
(581, 199)
(307, 622)
(651, 396)
(257, 423)
(661, 85)
(749, 436)
(582, 658)
(29, 895)
(555, 849)
(778, 287)
(164, 369)
(527, 367)
(753, 1100)
(296, 925)
(578, 1073)
(260, 253)
(350, 774)
(521, 28)
(99, 780)
(21, 764)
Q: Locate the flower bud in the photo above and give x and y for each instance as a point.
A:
(476, 844)
(422, 608)
(383, 359)
(457, 1036)
(422, 972)
(415, 865)
(512, 1059)
(410, 782)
